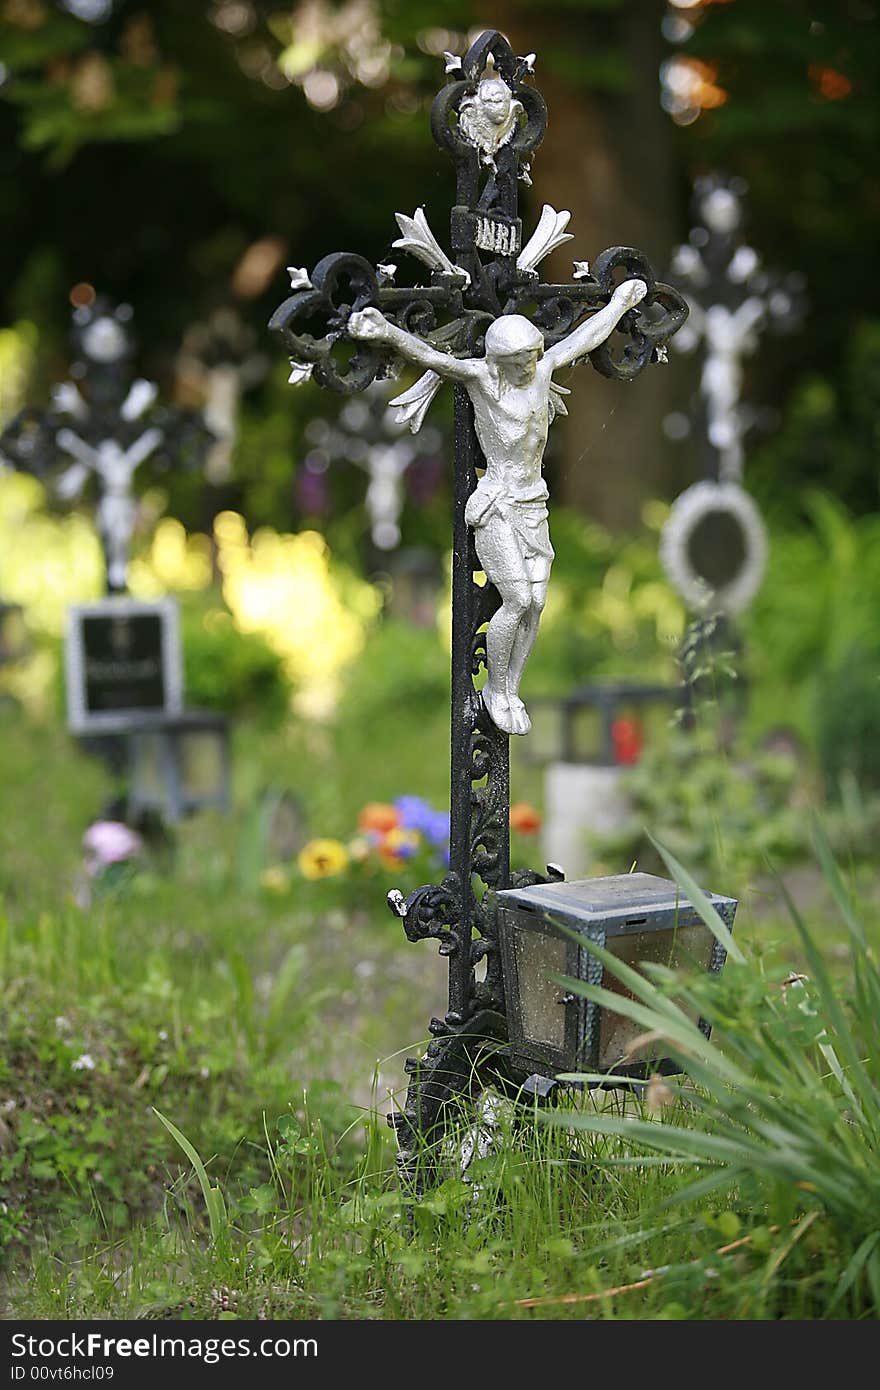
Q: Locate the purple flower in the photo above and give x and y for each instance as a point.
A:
(416, 814)
(109, 842)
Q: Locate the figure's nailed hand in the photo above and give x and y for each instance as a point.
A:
(631, 292)
(368, 324)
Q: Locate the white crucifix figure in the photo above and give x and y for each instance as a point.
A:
(514, 400)
(115, 468)
(729, 336)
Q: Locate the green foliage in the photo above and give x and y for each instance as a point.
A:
(230, 670)
(252, 1021)
(848, 720)
(724, 816)
(401, 668)
(610, 610)
(784, 1111)
(812, 635)
(829, 434)
(214, 1203)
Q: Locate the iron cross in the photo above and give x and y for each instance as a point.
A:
(104, 431)
(487, 323)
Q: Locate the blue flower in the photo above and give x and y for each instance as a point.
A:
(416, 814)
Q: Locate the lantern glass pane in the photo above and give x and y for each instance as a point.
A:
(542, 744)
(585, 732)
(201, 765)
(683, 948)
(656, 718)
(543, 1017)
(149, 773)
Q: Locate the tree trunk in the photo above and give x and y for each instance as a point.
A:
(607, 157)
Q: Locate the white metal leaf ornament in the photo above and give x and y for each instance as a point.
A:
(420, 241)
(557, 401)
(299, 372)
(299, 278)
(411, 407)
(549, 233)
(581, 270)
(67, 400)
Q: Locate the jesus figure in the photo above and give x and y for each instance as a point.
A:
(512, 393)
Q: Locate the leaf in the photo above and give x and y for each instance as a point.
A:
(701, 904)
(854, 1268)
(833, 878)
(216, 1207)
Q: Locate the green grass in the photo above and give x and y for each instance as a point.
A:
(251, 1022)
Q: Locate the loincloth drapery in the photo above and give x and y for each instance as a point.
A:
(524, 518)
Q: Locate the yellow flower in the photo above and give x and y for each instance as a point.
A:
(359, 849)
(274, 879)
(321, 858)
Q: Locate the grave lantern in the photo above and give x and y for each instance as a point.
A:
(606, 723)
(637, 917)
(179, 764)
(587, 740)
(125, 699)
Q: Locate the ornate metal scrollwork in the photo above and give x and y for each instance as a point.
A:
(429, 911)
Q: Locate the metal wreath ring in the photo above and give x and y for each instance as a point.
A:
(688, 510)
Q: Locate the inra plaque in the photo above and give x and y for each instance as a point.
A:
(122, 660)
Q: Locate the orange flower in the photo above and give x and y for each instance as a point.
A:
(524, 818)
(397, 846)
(379, 816)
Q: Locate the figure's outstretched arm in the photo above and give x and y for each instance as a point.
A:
(747, 317)
(71, 443)
(595, 330)
(143, 446)
(370, 325)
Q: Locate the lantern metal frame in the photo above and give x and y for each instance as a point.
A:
(170, 734)
(604, 696)
(577, 915)
(125, 743)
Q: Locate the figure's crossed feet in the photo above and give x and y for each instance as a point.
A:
(519, 714)
(507, 713)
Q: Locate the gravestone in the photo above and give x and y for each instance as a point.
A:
(123, 660)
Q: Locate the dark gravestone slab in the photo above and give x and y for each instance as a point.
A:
(122, 659)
